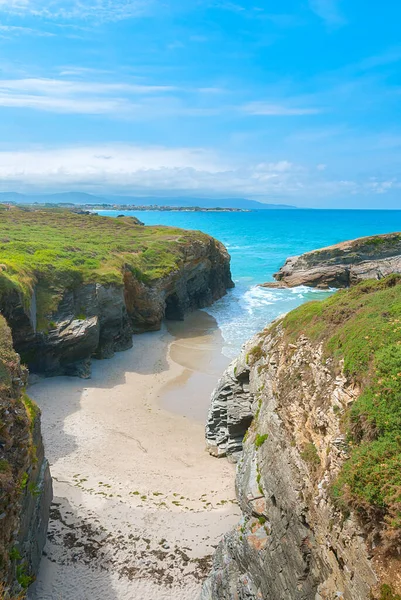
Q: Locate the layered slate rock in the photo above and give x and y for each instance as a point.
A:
(25, 482)
(344, 264)
(90, 320)
(292, 542)
(230, 412)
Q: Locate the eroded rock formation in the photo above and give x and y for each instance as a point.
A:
(343, 264)
(25, 483)
(292, 542)
(95, 320)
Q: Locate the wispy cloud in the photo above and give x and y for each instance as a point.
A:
(329, 11)
(131, 100)
(62, 87)
(13, 30)
(264, 108)
(226, 5)
(97, 10)
(79, 97)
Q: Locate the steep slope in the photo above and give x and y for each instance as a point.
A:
(343, 264)
(318, 479)
(25, 484)
(76, 286)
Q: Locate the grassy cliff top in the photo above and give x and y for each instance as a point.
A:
(63, 249)
(362, 327)
(385, 243)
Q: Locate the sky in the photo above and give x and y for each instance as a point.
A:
(294, 102)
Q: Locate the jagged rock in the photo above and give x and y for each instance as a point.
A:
(230, 412)
(292, 543)
(343, 264)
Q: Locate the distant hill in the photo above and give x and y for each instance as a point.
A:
(84, 198)
(64, 197)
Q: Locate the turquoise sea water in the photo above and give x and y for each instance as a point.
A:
(259, 242)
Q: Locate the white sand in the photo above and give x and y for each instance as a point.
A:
(139, 506)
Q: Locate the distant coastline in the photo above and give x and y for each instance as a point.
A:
(165, 208)
(135, 202)
(92, 208)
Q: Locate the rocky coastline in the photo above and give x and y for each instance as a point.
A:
(281, 411)
(342, 265)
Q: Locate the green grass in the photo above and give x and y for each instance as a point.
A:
(8, 358)
(55, 250)
(310, 455)
(32, 409)
(386, 593)
(260, 439)
(255, 354)
(362, 327)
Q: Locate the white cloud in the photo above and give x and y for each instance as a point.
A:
(66, 96)
(122, 168)
(97, 10)
(64, 105)
(328, 10)
(124, 100)
(116, 167)
(9, 30)
(64, 87)
(264, 108)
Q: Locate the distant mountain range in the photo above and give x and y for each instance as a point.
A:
(83, 198)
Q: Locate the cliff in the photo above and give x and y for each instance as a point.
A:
(25, 483)
(76, 286)
(344, 264)
(311, 412)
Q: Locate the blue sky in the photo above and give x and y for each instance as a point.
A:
(292, 101)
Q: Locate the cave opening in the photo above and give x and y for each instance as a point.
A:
(174, 311)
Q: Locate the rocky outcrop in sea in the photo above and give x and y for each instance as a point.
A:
(344, 264)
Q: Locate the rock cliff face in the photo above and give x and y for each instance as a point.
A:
(292, 542)
(25, 483)
(95, 320)
(344, 264)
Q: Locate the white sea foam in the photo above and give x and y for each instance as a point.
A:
(245, 311)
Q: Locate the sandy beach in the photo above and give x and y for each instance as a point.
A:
(139, 506)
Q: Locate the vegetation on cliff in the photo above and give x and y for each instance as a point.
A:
(17, 457)
(361, 332)
(61, 249)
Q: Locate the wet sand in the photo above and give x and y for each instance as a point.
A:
(139, 505)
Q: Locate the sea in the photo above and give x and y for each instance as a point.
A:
(259, 242)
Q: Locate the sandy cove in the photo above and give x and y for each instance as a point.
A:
(139, 506)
